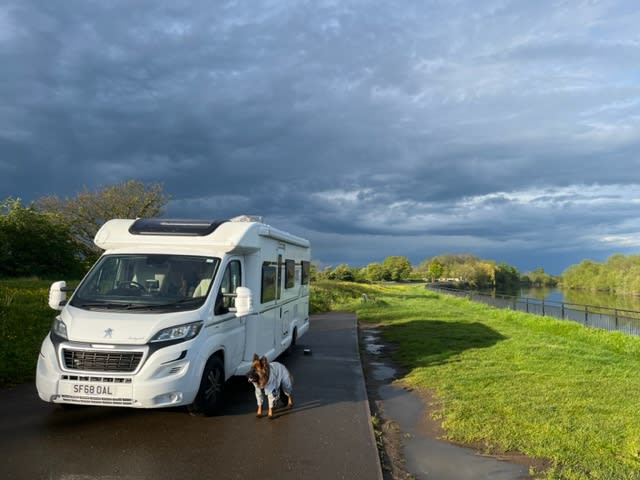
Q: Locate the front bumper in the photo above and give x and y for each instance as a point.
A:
(167, 377)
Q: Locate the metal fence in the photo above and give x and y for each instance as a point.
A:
(608, 318)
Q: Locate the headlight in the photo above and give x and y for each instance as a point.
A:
(59, 328)
(180, 332)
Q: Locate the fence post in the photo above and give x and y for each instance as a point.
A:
(527, 305)
(586, 315)
(562, 310)
(543, 307)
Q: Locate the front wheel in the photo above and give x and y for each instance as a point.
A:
(210, 395)
(292, 345)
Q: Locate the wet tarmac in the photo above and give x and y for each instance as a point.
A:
(426, 457)
(326, 435)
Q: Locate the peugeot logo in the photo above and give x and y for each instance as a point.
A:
(107, 333)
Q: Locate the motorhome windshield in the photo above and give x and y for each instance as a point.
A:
(146, 282)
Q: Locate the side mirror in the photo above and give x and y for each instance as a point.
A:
(58, 295)
(244, 302)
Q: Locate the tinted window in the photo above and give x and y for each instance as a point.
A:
(306, 268)
(231, 279)
(146, 280)
(289, 273)
(268, 292)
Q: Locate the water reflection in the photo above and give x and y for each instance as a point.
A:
(594, 309)
(583, 297)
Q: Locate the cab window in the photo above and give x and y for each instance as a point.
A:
(231, 279)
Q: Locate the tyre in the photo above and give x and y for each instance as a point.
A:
(292, 345)
(209, 399)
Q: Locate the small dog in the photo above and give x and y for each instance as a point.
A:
(270, 377)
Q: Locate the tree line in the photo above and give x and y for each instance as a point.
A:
(462, 270)
(53, 237)
(618, 274)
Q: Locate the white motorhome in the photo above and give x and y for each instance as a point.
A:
(171, 310)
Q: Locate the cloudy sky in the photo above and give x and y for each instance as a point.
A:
(509, 129)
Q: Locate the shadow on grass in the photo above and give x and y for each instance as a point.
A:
(431, 342)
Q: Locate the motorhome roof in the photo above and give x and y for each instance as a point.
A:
(236, 234)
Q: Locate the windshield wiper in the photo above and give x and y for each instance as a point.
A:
(136, 306)
(99, 305)
(131, 306)
(182, 303)
(112, 306)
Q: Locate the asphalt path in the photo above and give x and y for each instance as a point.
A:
(327, 435)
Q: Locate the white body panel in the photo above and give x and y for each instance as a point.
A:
(90, 366)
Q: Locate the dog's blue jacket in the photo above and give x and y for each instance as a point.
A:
(279, 376)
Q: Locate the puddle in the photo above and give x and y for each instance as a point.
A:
(370, 339)
(425, 456)
(380, 371)
(373, 348)
(428, 457)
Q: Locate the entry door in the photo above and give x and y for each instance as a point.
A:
(268, 323)
(265, 340)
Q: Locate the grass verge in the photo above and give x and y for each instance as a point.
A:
(25, 318)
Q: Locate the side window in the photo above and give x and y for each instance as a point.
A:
(289, 273)
(231, 279)
(306, 268)
(268, 291)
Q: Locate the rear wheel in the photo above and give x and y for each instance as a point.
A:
(210, 395)
(292, 345)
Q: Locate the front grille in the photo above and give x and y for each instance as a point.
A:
(99, 361)
(97, 400)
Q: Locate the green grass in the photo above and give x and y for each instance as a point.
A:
(510, 381)
(25, 319)
(324, 295)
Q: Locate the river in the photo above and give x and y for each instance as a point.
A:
(583, 297)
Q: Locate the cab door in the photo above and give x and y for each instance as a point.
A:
(226, 321)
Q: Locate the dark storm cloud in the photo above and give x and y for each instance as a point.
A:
(502, 128)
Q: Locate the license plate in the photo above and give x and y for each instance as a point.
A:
(80, 389)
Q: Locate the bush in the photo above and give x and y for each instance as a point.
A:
(25, 319)
(34, 243)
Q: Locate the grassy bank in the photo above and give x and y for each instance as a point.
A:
(25, 319)
(515, 382)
